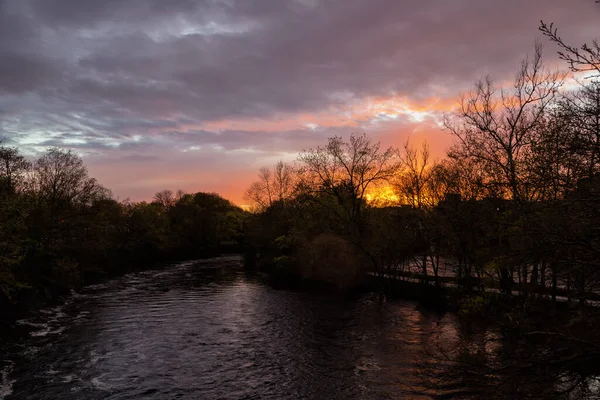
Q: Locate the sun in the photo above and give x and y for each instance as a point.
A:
(383, 196)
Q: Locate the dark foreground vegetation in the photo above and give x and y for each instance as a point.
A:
(506, 227)
(60, 229)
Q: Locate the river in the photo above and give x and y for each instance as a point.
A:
(207, 330)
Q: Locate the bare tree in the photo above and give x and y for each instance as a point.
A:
(566, 150)
(165, 198)
(179, 194)
(583, 108)
(459, 177)
(346, 170)
(414, 179)
(580, 59)
(273, 184)
(553, 161)
(421, 185)
(495, 127)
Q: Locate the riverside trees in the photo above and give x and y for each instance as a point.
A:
(13, 168)
(324, 210)
(496, 127)
(346, 170)
(275, 184)
(511, 207)
(60, 229)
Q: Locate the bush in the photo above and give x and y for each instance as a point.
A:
(332, 259)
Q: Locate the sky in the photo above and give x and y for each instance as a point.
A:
(199, 94)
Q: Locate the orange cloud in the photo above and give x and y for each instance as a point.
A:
(390, 120)
(355, 113)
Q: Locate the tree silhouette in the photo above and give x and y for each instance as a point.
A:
(495, 127)
(345, 170)
(60, 177)
(275, 184)
(13, 168)
(580, 59)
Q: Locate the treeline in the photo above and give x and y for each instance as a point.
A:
(513, 207)
(60, 229)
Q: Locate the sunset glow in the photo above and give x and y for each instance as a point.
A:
(384, 196)
(200, 96)
(358, 114)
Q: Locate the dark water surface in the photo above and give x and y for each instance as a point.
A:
(206, 330)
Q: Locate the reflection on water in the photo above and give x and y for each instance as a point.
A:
(206, 330)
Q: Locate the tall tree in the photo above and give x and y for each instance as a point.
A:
(414, 180)
(60, 177)
(459, 177)
(495, 127)
(165, 198)
(273, 184)
(13, 167)
(345, 170)
(583, 106)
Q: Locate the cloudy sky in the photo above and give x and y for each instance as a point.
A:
(198, 94)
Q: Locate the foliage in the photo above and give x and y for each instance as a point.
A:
(513, 208)
(60, 229)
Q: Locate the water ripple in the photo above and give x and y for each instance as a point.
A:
(207, 330)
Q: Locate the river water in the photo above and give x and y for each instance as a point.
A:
(207, 330)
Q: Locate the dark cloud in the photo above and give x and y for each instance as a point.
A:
(116, 77)
(23, 72)
(23, 66)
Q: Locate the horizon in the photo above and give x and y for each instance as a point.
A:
(198, 96)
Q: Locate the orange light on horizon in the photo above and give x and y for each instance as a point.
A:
(383, 196)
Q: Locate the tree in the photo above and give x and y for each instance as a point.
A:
(583, 59)
(553, 162)
(495, 128)
(459, 177)
(165, 198)
(14, 211)
(582, 109)
(413, 183)
(273, 184)
(13, 167)
(61, 178)
(345, 170)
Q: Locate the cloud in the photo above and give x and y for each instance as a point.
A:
(150, 79)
